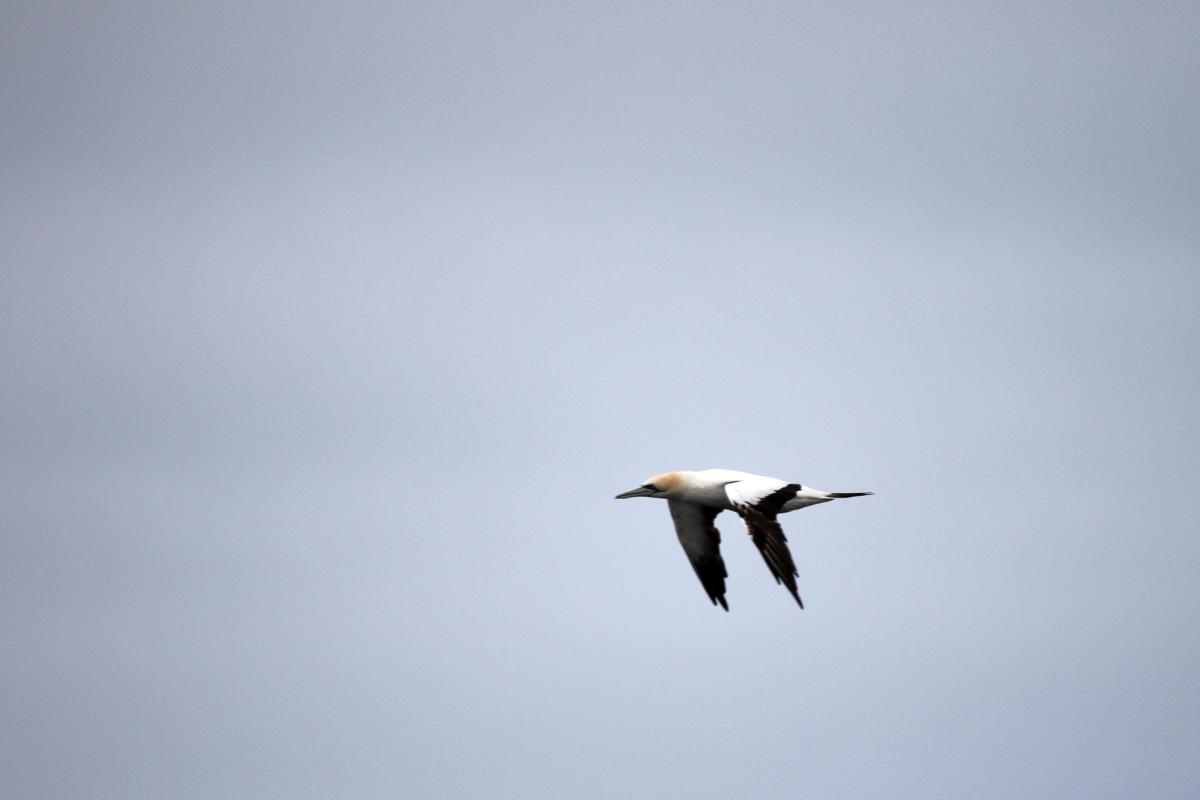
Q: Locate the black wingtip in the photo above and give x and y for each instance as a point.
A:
(843, 495)
(724, 605)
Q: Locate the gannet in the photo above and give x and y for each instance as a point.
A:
(695, 499)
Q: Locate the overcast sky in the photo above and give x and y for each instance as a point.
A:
(329, 331)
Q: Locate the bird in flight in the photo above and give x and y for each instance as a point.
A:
(695, 499)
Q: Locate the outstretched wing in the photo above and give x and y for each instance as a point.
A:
(702, 542)
(758, 501)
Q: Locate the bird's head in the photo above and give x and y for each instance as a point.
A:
(659, 486)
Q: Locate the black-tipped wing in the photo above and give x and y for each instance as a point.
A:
(702, 542)
(759, 503)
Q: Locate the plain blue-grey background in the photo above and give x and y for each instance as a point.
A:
(329, 331)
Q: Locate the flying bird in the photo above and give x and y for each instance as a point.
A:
(695, 499)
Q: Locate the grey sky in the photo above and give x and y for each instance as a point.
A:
(329, 331)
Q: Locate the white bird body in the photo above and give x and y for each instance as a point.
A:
(727, 488)
(695, 499)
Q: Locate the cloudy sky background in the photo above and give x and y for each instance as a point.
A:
(328, 332)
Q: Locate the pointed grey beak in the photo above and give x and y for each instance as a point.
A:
(641, 491)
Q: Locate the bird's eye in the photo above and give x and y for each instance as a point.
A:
(650, 486)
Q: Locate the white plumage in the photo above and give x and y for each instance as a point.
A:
(696, 498)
